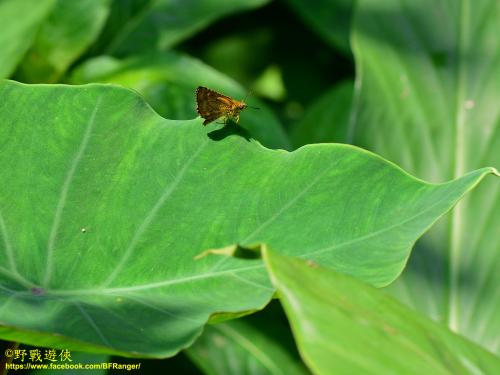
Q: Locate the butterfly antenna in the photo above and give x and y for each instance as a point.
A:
(246, 96)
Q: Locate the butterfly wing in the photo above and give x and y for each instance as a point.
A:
(211, 105)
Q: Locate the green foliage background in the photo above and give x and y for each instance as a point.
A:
(417, 83)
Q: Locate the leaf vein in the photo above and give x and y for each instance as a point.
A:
(64, 193)
(93, 324)
(169, 189)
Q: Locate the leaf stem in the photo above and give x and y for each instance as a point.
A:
(459, 169)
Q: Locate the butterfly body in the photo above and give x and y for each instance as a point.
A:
(212, 105)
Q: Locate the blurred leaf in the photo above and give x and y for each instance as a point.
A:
(274, 39)
(160, 24)
(239, 347)
(168, 82)
(68, 31)
(121, 12)
(106, 204)
(327, 119)
(20, 21)
(329, 18)
(242, 55)
(428, 99)
(343, 326)
(270, 84)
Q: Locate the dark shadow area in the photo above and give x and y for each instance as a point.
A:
(245, 44)
(7, 347)
(179, 364)
(230, 128)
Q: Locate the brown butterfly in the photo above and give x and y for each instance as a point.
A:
(211, 105)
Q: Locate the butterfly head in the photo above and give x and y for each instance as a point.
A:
(241, 105)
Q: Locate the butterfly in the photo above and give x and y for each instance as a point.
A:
(212, 105)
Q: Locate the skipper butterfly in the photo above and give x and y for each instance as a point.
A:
(212, 105)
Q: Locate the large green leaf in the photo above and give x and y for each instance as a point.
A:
(168, 82)
(20, 21)
(240, 347)
(104, 205)
(160, 24)
(329, 18)
(343, 326)
(70, 28)
(429, 78)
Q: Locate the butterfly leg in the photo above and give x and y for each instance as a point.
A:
(227, 120)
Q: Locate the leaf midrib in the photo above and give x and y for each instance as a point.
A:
(456, 223)
(243, 269)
